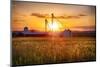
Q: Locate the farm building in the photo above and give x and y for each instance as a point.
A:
(66, 33)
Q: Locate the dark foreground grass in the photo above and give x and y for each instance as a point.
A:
(45, 50)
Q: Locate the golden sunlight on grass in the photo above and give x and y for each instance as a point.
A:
(43, 50)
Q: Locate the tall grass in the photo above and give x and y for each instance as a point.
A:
(44, 50)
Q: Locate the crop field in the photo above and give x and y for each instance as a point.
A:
(51, 50)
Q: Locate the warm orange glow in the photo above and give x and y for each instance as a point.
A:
(33, 15)
(55, 26)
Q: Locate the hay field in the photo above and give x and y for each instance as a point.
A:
(48, 50)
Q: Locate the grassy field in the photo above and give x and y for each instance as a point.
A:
(46, 50)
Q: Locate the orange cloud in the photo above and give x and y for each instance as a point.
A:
(60, 17)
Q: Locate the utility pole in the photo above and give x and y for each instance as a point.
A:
(52, 19)
(46, 22)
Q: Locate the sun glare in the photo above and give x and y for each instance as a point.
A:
(53, 26)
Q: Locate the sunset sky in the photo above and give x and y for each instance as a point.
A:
(33, 15)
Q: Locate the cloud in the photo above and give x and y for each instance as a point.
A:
(82, 15)
(59, 17)
(86, 27)
(39, 15)
(67, 17)
(18, 20)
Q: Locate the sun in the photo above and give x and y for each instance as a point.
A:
(54, 26)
